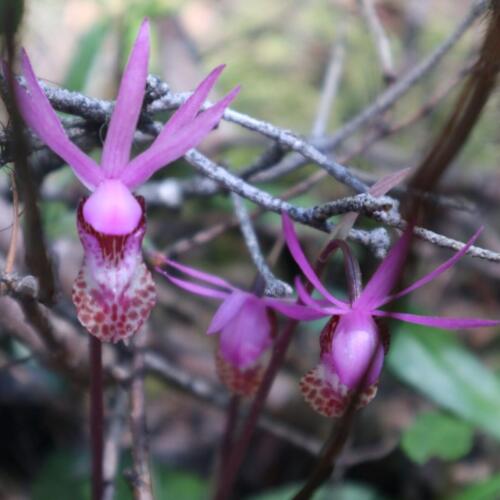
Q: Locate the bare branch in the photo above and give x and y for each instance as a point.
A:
(141, 477)
(330, 86)
(381, 42)
(273, 286)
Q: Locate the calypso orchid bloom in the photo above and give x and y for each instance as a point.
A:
(354, 341)
(114, 292)
(246, 324)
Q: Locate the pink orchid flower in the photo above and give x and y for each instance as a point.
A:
(353, 343)
(245, 323)
(114, 292)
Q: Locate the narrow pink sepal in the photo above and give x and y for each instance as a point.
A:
(188, 111)
(142, 167)
(39, 115)
(227, 310)
(437, 321)
(120, 135)
(193, 287)
(299, 257)
(200, 275)
(384, 279)
(321, 306)
(434, 274)
(294, 311)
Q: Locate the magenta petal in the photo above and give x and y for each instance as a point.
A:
(386, 275)
(193, 287)
(200, 275)
(356, 341)
(120, 135)
(175, 145)
(302, 262)
(112, 209)
(318, 305)
(227, 310)
(247, 335)
(114, 292)
(188, 111)
(294, 311)
(437, 321)
(434, 274)
(37, 112)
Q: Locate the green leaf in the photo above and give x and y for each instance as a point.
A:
(440, 367)
(88, 48)
(346, 491)
(437, 435)
(483, 490)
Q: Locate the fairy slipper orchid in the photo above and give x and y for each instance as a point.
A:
(114, 292)
(245, 322)
(354, 341)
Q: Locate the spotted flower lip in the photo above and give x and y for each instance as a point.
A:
(111, 221)
(353, 342)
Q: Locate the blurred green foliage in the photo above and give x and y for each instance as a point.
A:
(65, 475)
(435, 434)
(437, 365)
(344, 491)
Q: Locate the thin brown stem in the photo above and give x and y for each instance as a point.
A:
(96, 416)
(141, 477)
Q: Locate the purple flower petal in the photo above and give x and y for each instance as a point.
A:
(322, 306)
(37, 112)
(384, 278)
(294, 311)
(227, 310)
(175, 145)
(434, 274)
(116, 149)
(112, 209)
(297, 253)
(437, 321)
(188, 111)
(244, 339)
(200, 275)
(192, 287)
(356, 341)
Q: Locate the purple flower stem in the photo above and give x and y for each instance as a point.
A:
(235, 458)
(96, 416)
(232, 412)
(352, 270)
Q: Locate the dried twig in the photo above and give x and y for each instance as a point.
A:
(140, 478)
(273, 286)
(380, 39)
